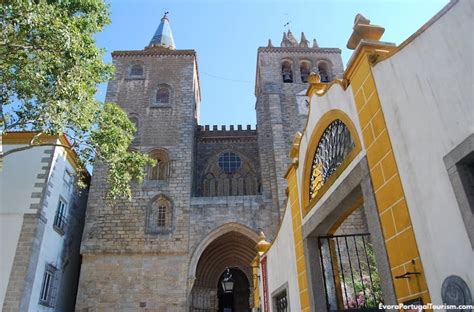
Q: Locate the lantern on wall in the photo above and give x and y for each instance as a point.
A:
(227, 282)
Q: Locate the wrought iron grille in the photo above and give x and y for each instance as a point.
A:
(282, 302)
(161, 220)
(335, 144)
(350, 274)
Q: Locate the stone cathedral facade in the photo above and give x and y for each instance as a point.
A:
(201, 208)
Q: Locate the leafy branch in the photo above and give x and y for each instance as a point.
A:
(49, 70)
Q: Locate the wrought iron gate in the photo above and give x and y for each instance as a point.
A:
(350, 274)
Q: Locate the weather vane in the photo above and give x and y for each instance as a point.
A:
(287, 24)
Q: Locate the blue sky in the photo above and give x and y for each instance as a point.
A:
(226, 35)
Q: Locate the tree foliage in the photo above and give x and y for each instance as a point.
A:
(49, 71)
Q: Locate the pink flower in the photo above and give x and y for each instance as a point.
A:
(360, 299)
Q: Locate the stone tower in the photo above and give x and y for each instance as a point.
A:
(200, 210)
(280, 88)
(135, 254)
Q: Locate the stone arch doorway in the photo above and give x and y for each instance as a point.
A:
(238, 299)
(229, 246)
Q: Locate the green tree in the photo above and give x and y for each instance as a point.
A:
(49, 71)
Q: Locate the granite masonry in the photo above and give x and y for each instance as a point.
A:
(213, 190)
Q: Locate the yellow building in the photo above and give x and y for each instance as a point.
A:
(380, 198)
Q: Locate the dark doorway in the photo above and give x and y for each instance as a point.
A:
(238, 299)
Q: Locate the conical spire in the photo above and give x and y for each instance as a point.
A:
(284, 40)
(292, 39)
(304, 43)
(163, 36)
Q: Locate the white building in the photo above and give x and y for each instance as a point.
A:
(41, 222)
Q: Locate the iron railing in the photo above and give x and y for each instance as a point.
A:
(350, 274)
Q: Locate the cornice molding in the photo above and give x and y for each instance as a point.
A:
(154, 52)
(298, 50)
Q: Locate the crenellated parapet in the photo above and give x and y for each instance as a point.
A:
(206, 132)
(215, 144)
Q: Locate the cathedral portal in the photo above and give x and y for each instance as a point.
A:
(230, 247)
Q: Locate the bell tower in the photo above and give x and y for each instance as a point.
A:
(140, 247)
(280, 88)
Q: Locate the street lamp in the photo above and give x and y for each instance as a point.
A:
(227, 282)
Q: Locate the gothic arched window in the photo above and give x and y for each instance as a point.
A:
(333, 148)
(229, 174)
(305, 70)
(161, 170)
(209, 185)
(287, 72)
(323, 70)
(160, 215)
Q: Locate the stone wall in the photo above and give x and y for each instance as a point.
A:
(119, 227)
(208, 213)
(211, 143)
(133, 282)
(355, 223)
(144, 262)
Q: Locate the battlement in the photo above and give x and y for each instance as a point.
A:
(223, 128)
(223, 131)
